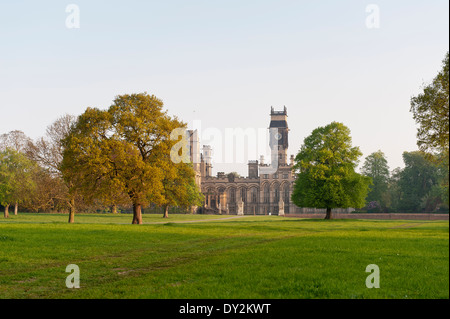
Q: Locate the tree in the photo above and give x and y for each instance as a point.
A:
(325, 169)
(48, 150)
(49, 194)
(376, 167)
(394, 192)
(431, 112)
(16, 182)
(124, 149)
(16, 140)
(419, 183)
(179, 188)
(48, 153)
(443, 172)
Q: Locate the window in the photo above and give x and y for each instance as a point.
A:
(254, 194)
(285, 176)
(232, 195)
(266, 194)
(286, 194)
(244, 195)
(277, 194)
(221, 192)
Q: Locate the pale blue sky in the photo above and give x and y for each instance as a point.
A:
(226, 63)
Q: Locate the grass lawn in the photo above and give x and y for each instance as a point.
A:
(198, 256)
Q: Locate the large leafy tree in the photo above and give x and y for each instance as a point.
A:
(419, 183)
(17, 141)
(325, 169)
(431, 112)
(179, 187)
(16, 182)
(394, 190)
(124, 150)
(376, 167)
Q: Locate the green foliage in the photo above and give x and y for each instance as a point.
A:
(431, 111)
(376, 167)
(443, 172)
(394, 192)
(325, 168)
(179, 187)
(16, 172)
(419, 183)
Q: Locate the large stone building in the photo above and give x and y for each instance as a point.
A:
(266, 190)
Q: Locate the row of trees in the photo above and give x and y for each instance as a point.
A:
(327, 177)
(325, 165)
(421, 186)
(30, 171)
(120, 156)
(123, 156)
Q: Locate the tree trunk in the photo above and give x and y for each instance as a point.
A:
(72, 212)
(114, 209)
(329, 215)
(16, 208)
(6, 210)
(137, 214)
(166, 212)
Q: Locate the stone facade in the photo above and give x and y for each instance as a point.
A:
(265, 191)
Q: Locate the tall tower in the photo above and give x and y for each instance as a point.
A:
(194, 151)
(206, 161)
(253, 169)
(279, 136)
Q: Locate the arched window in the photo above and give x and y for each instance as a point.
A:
(233, 195)
(266, 194)
(244, 194)
(254, 195)
(286, 196)
(221, 192)
(210, 193)
(276, 193)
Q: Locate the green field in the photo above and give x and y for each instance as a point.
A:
(198, 256)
